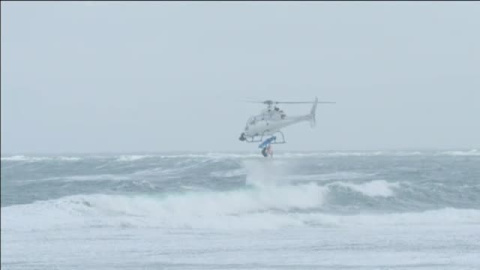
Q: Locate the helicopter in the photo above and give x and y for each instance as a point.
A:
(272, 119)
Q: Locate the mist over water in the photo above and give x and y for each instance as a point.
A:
(318, 210)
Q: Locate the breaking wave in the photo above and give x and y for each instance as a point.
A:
(238, 191)
(204, 209)
(375, 188)
(238, 210)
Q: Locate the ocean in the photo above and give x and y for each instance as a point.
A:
(316, 210)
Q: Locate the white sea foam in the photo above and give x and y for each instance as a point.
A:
(280, 155)
(266, 172)
(190, 209)
(328, 176)
(126, 158)
(69, 158)
(22, 158)
(380, 188)
(354, 154)
(239, 210)
(229, 173)
(438, 217)
(472, 152)
(75, 178)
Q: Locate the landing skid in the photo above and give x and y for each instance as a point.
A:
(256, 139)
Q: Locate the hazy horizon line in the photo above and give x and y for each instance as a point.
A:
(235, 151)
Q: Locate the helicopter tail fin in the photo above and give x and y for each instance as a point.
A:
(312, 113)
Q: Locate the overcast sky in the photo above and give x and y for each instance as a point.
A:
(157, 76)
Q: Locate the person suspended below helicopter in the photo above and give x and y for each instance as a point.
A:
(267, 146)
(267, 151)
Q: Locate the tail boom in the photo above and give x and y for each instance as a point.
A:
(312, 113)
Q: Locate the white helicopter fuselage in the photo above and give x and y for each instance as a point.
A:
(262, 125)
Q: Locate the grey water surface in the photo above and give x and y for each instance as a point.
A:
(309, 210)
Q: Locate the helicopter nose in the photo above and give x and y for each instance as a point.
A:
(242, 137)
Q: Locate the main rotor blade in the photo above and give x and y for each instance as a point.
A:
(271, 102)
(249, 101)
(303, 102)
